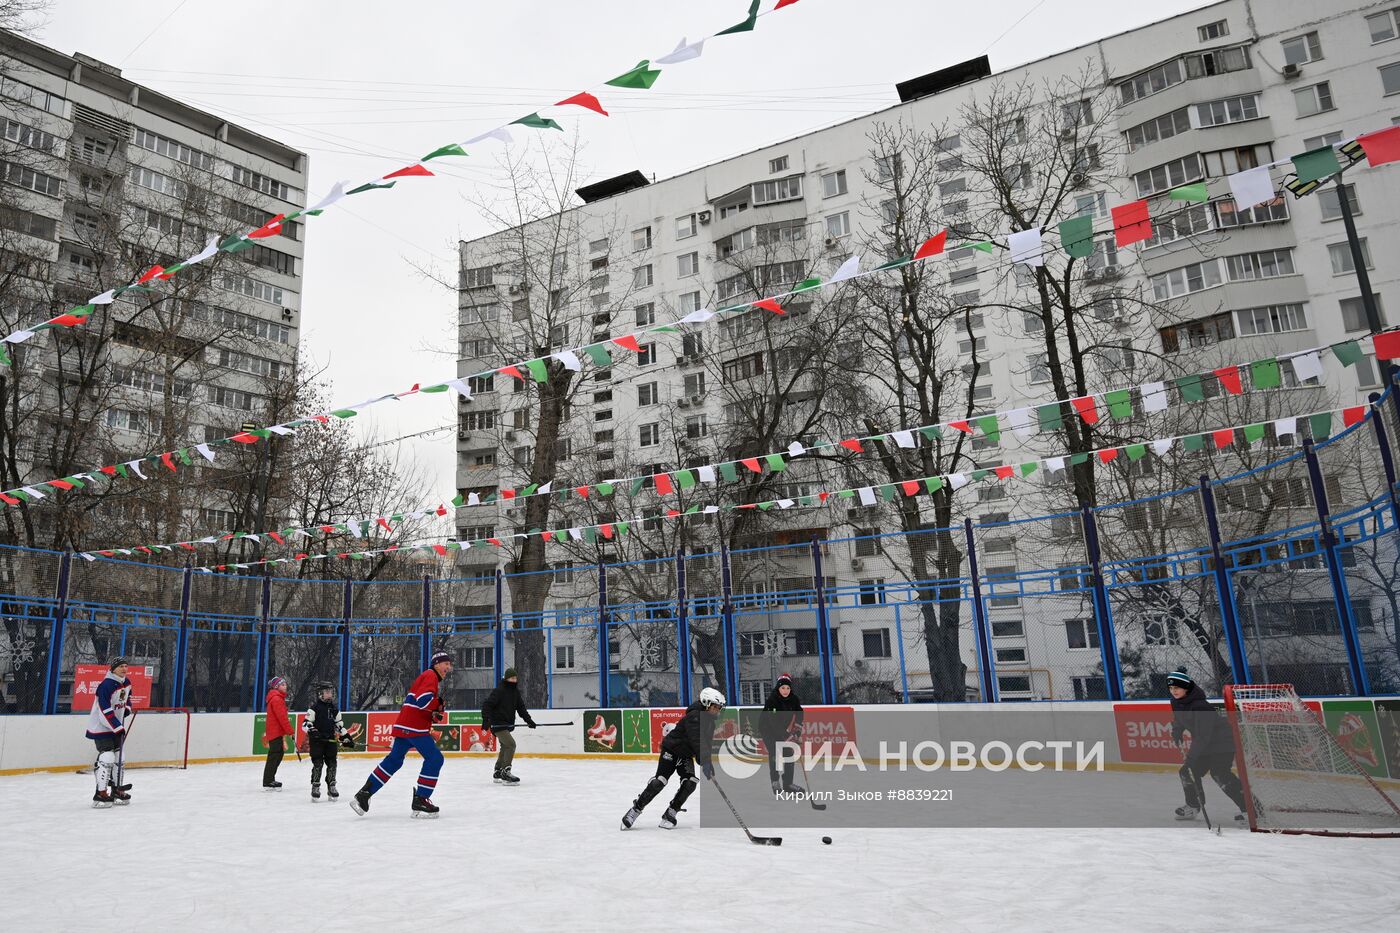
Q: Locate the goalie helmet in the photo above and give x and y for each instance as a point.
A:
(711, 697)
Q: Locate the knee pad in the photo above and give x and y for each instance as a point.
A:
(657, 782)
(107, 758)
(692, 780)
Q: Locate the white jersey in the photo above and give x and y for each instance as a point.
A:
(111, 706)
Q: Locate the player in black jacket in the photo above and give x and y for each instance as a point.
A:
(324, 728)
(781, 721)
(1212, 745)
(498, 715)
(689, 742)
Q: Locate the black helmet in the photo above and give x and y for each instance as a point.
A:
(320, 686)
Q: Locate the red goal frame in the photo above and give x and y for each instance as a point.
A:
(184, 762)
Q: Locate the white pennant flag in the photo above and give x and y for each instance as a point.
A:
(210, 249)
(1026, 247)
(570, 360)
(19, 336)
(86, 556)
(785, 503)
(698, 316)
(136, 467)
(848, 270)
(904, 439)
(499, 132)
(281, 429)
(710, 509)
(37, 494)
(1054, 464)
(461, 388)
(1307, 366)
(213, 539)
(105, 298)
(337, 192)
(1161, 447)
(867, 495)
(1020, 420)
(1154, 396)
(796, 450)
(473, 499)
(682, 53)
(545, 489)
(254, 537)
(1285, 427)
(354, 527)
(1252, 186)
(576, 534)
(706, 474)
(957, 480)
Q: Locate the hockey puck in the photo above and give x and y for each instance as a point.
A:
(826, 840)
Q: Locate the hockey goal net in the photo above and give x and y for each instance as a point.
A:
(159, 737)
(1297, 778)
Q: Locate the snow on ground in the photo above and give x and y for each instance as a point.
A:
(208, 849)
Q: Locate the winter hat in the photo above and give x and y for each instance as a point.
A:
(1179, 678)
(116, 663)
(439, 658)
(510, 672)
(784, 680)
(276, 682)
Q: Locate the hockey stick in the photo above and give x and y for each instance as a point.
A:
(756, 840)
(1201, 799)
(801, 759)
(546, 725)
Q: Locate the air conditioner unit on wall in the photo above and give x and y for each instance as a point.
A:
(703, 217)
(696, 399)
(286, 314)
(684, 403)
(1291, 71)
(857, 563)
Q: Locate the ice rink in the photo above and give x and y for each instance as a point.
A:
(208, 849)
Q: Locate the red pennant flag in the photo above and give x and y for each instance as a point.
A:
(226, 538)
(442, 510)
(1229, 377)
(441, 549)
(68, 320)
(382, 523)
(672, 513)
(1003, 472)
(110, 471)
(1351, 416)
(8, 500)
(910, 487)
(1223, 438)
(962, 426)
(301, 555)
(822, 496)
(245, 438)
(507, 493)
(1086, 408)
(271, 228)
(585, 100)
(932, 246)
(663, 484)
(146, 549)
(783, 3)
(276, 537)
(187, 546)
(1381, 146)
(328, 529)
(628, 342)
(752, 464)
(547, 535)
(495, 541)
(769, 304)
(1387, 344)
(1108, 456)
(1131, 223)
(324, 419)
(168, 459)
(150, 274)
(407, 172)
(392, 547)
(61, 484)
(853, 444)
(582, 491)
(607, 531)
(512, 371)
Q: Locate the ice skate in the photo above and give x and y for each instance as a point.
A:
(331, 792)
(360, 803)
(630, 817)
(315, 793)
(507, 778)
(777, 787)
(424, 808)
(496, 777)
(668, 819)
(272, 785)
(794, 789)
(101, 800)
(120, 797)
(1186, 813)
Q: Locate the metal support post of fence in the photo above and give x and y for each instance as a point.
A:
(346, 611)
(903, 667)
(603, 661)
(726, 629)
(498, 629)
(425, 645)
(1225, 592)
(56, 634)
(182, 638)
(986, 666)
(1360, 682)
(828, 660)
(1387, 458)
(1103, 615)
(683, 688)
(264, 635)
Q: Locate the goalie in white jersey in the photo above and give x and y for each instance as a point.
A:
(106, 726)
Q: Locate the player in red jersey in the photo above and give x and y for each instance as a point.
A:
(413, 729)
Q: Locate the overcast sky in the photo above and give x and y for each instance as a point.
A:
(368, 87)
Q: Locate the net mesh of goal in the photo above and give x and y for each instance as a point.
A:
(159, 738)
(1301, 778)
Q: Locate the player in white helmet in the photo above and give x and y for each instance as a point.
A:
(689, 743)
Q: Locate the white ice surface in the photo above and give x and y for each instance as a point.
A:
(208, 849)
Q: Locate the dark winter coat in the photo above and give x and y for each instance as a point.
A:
(779, 716)
(693, 736)
(323, 720)
(1210, 732)
(498, 712)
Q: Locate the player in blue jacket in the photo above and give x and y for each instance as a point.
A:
(106, 726)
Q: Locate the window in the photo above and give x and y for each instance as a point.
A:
(28, 136)
(1152, 81)
(988, 493)
(1163, 127)
(1229, 161)
(232, 398)
(172, 150)
(1092, 687)
(1009, 628)
(1038, 370)
(694, 384)
(1302, 49)
(33, 96)
(1077, 113)
(1011, 655)
(641, 239)
(888, 167)
(1228, 110)
(246, 363)
(478, 420)
(838, 225)
(772, 192)
(647, 394)
(1272, 319)
(1199, 333)
(1365, 378)
(730, 210)
(872, 593)
(1269, 264)
(744, 367)
(963, 276)
(834, 184)
(649, 435)
(780, 164)
(252, 288)
(867, 542)
(1081, 633)
(598, 246)
(696, 427)
(251, 179)
(687, 264)
(646, 314)
(1316, 98)
(481, 458)
(24, 177)
(753, 644)
(1340, 254)
(1382, 26)
(603, 414)
(481, 384)
(642, 276)
(1161, 630)
(1211, 31)
(1390, 79)
(480, 277)
(1216, 62)
(647, 356)
(1228, 215)
(1354, 313)
(685, 227)
(875, 642)
(1190, 221)
(1170, 175)
(563, 657)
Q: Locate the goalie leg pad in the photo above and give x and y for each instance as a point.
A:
(103, 769)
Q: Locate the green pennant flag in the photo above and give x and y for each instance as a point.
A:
(638, 483)
(437, 388)
(746, 26)
(1120, 403)
(1077, 236)
(598, 354)
(1196, 192)
(803, 500)
(808, 284)
(184, 453)
(979, 475)
(121, 471)
(985, 246)
(932, 434)
(727, 471)
(1051, 417)
(933, 483)
(1316, 164)
(1321, 425)
(894, 263)
(1253, 433)
(535, 121)
(887, 492)
(590, 535)
(1077, 459)
(692, 510)
(1264, 374)
(1190, 388)
(451, 149)
(372, 186)
(459, 500)
(1194, 442)
(684, 479)
(642, 76)
(846, 493)
(990, 427)
(622, 527)
(1136, 451)
(1028, 468)
(775, 463)
(604, 489)
(530, 490)
(538, 370)
(345, 413)
(1348, 353)
(764, 506)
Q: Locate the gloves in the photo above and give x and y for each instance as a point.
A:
(346, 741)
(532, 724)
(439, 716)
(708, 769)
(486, 728)
(306, 726)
